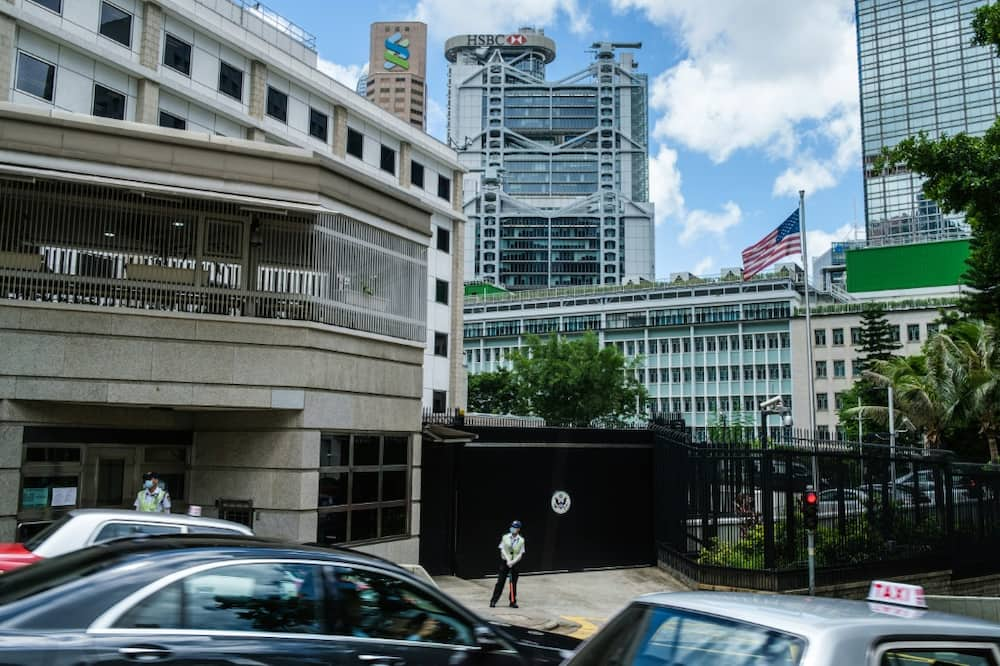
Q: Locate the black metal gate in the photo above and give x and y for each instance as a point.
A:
(472, 492)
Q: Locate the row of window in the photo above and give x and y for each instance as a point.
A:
(387, 162)
(36, 77)
(837, 334)
(759, 372)
(712, 404)
(823, 401)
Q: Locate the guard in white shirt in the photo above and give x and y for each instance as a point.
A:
(511, 552)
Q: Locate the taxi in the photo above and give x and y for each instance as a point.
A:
(892, 628)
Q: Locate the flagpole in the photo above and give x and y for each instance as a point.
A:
(811, 366)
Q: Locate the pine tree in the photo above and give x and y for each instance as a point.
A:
(878, 341)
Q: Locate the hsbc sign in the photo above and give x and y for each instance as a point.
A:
(497, 40)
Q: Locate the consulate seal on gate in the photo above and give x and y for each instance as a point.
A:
(561, 501)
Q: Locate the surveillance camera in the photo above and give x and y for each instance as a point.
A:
(772, 403)
(787, 420)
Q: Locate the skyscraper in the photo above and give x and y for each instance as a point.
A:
(397, 70)
(558, 192)
(919, 73)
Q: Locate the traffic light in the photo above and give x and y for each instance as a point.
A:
(810, 509)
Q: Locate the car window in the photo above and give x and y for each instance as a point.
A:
(917, 656)
(110, 531)
(50, 529)
(376, 605)
(208, 529)
(651, 635)
(272, 597)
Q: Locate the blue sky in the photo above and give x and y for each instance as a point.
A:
(750, 101)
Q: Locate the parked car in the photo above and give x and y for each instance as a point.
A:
(84, 527)
(210, 599)
(727, 629)
(854, 501)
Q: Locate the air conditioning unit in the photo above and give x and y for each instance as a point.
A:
(682, 276)
(735, 273)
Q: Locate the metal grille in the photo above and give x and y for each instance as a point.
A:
(237, 511)
(113, 247)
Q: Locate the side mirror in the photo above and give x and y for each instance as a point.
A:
(487, 640)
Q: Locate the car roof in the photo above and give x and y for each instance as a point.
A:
(815, 616)
(152, 517)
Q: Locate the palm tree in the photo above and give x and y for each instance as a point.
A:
(973, 345)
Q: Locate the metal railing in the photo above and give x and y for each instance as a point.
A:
(278, 22)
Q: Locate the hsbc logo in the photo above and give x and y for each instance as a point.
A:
(497, 40)
(517, 40)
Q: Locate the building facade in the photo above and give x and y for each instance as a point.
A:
(836, 336)
(919, 72)
(397, 71)
(558, 189)
(710, 350)
(216, 264)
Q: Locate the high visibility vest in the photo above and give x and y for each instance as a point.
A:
(150, 502)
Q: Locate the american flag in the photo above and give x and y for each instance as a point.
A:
(781, 242)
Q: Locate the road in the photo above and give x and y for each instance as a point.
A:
(572, 603)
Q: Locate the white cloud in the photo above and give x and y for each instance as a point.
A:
(784, 94)
(698, 223)
(445, 18)
(704, 266)
(346, 74)
(665, 185)
(819, 241)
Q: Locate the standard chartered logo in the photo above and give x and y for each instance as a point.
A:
(397, 52)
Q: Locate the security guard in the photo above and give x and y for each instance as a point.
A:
(152, 498)
(511, 552)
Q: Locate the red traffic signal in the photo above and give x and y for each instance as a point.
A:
(811, 497)
(810, 509)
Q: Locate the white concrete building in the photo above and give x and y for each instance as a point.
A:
(218, 263)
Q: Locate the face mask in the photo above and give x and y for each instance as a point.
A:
(513, 530)
(147, 484)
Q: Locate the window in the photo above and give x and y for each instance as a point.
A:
(952, 655)
(821, 369)
(108, 103)
(116, 24)
(839, 368)
(838, 336)
(35, 77)
(230, 81)
(416, 174)
(53, 5)
(278, 597)
(838, 400)
(931, 329)
(441, 291)
(820, 336)
(119, 530)
(355, 143)
(444, 187)
(172, 121)
(855, 335)
(387, 160)
(443, 239)
(177, 55)
(439, 402)
(894, 331)
(822, 402)
(699, 344)
(913, 332)
(380, 606)
(318, 124)
(363, 487)
(856, 367)
(440, 344)
(277, 104)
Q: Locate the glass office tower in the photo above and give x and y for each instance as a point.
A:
(558, 190)
(919, 73)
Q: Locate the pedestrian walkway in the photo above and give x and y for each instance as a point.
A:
(570, 603)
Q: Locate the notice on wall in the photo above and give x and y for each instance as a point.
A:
(34, 498)
(64, 496)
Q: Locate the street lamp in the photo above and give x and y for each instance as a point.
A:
(770, 406)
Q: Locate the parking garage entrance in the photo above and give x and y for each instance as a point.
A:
(585, 498)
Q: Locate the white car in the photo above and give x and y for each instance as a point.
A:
(85, 527)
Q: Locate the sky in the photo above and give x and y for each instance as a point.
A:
(750, 102)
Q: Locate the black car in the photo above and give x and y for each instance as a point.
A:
(243, 600)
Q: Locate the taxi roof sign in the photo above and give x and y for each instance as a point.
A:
(900, 594)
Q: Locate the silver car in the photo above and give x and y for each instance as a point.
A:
(731, 629)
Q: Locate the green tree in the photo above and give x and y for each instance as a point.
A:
(574, 381)
(878, 341)
(963, 174)
(496, 393)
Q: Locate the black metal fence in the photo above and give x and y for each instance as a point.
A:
(729, 511)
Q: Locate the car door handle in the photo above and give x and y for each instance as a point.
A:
(144, 653)
(381, 659)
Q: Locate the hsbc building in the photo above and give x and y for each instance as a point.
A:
(557, 192)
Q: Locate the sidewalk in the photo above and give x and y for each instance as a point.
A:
(569, 603)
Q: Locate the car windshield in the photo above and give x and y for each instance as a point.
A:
(647, 635)
(38, 539)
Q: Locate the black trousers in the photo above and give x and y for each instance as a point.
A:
(502, 578)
